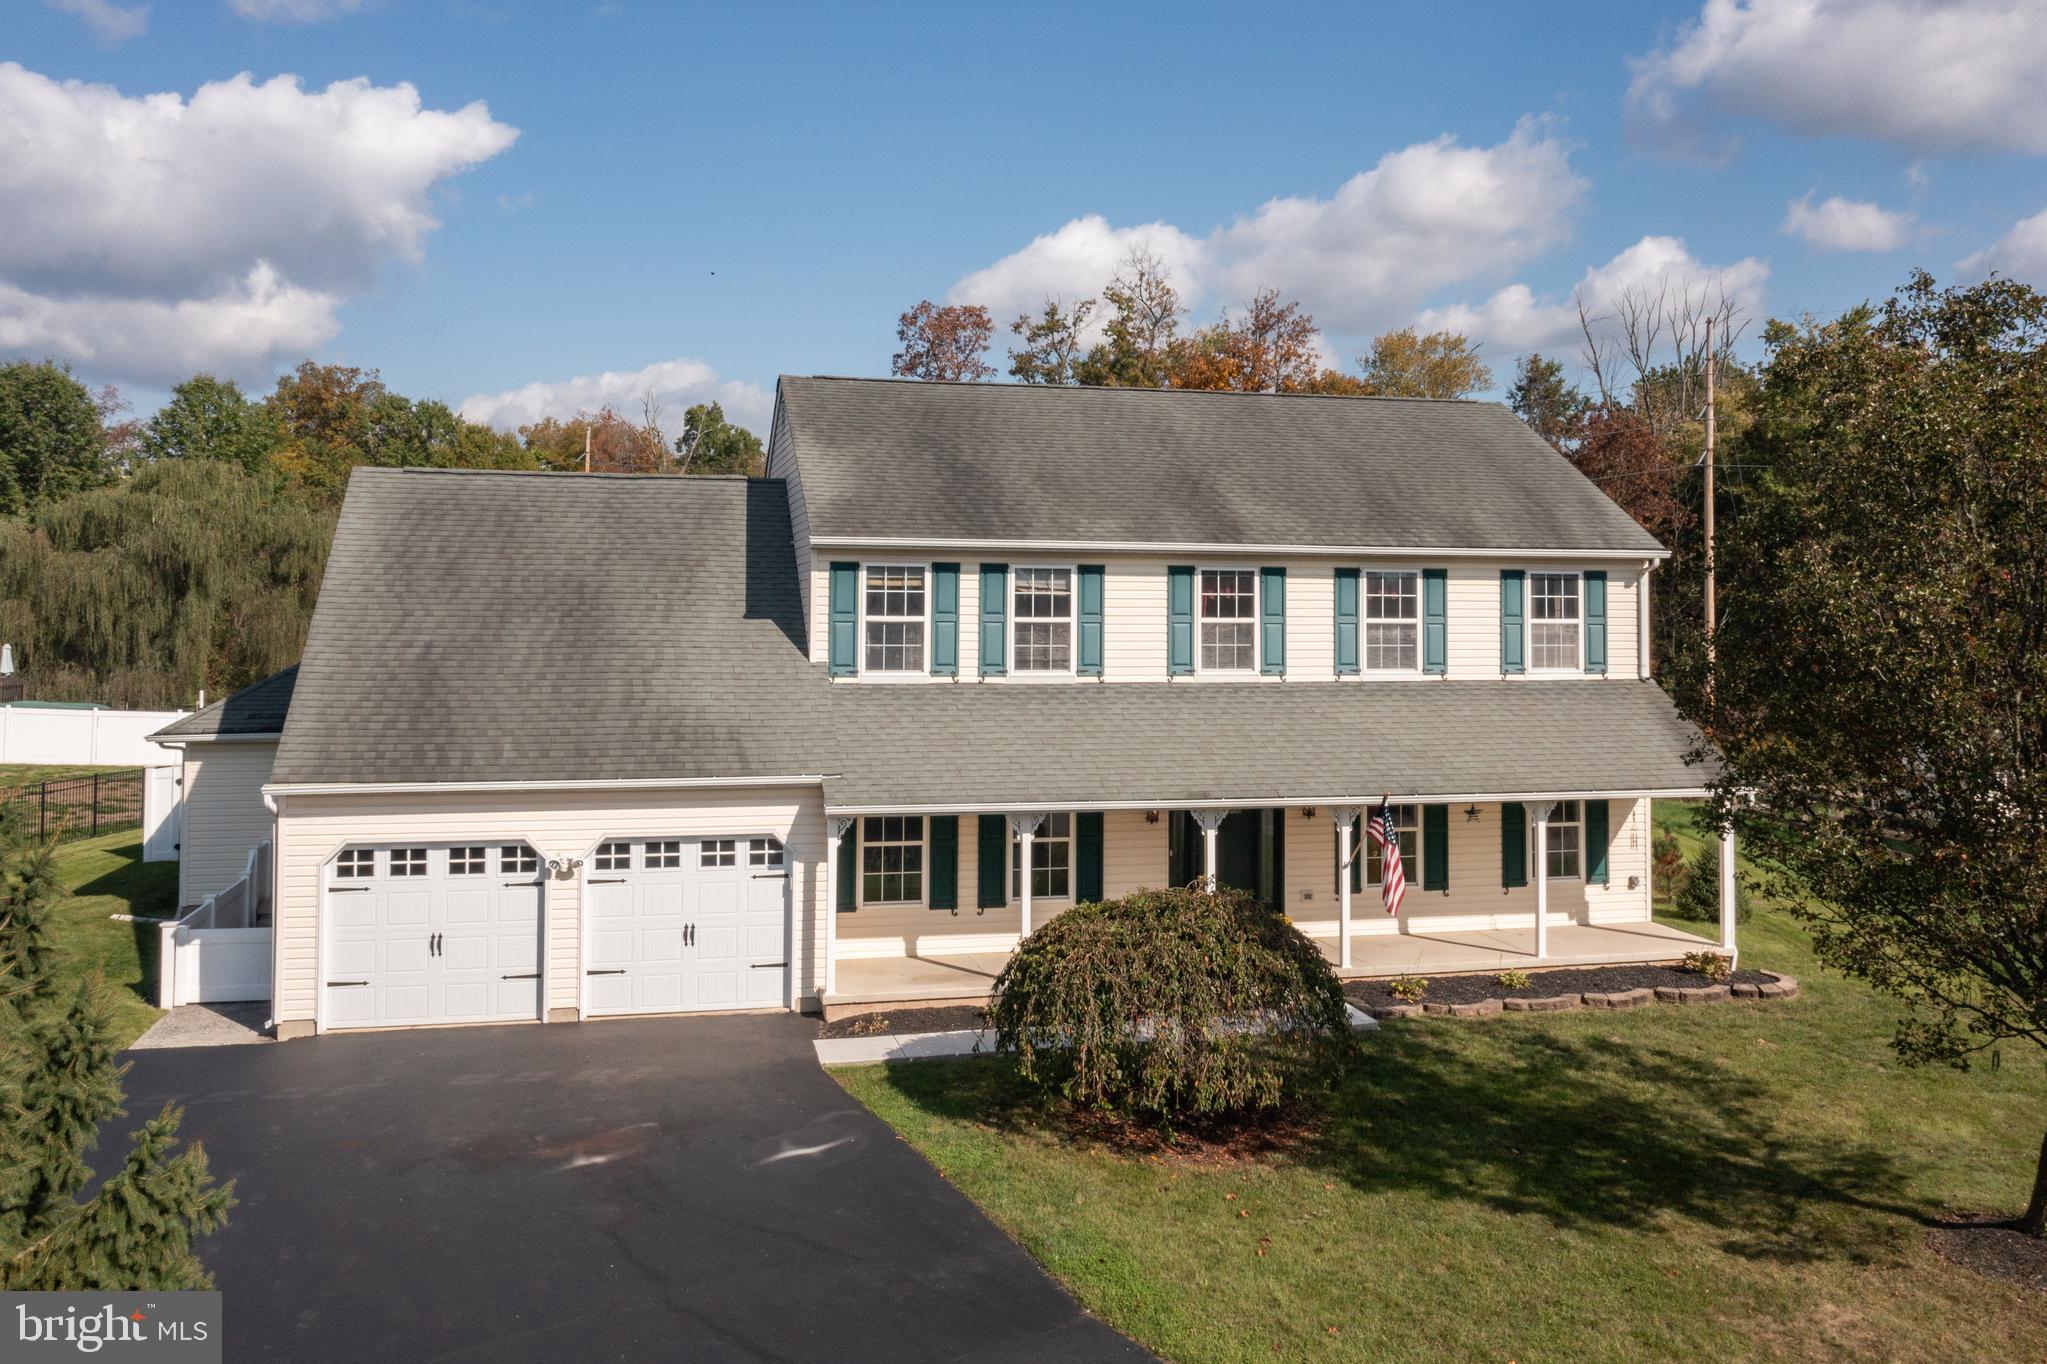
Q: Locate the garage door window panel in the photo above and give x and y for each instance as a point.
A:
(764, 852)
(614, 857)
(408, 861)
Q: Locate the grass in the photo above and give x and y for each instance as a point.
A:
(1739, 1182)
(12, 774)
(105, 876)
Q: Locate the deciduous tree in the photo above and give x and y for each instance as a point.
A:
(209, 418)
(53, 439)
(946, 342)
(709, 444)
(1541, 396)
(1051, 348)
(1272, 346)
(1143, 331)
(1406, 364)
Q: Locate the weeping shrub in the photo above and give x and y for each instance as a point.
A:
(1172, 1003)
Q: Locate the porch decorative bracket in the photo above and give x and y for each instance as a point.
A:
(1344, 814)
(838, 826)
(1019, 825)
(1539, 810)
(1211, 820)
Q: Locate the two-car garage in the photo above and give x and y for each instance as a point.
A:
(430, 933)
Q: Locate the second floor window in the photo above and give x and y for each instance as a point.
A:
(1553, 621)
(1229, 625)
(1044, 620)
(895, 618)
(1392, 622)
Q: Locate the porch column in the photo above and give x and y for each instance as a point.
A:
(1025, 827)
(1210, 821)
(1539, 812)
(1727, 901)
(1344, 815)
(835, 830)
(1642, 624)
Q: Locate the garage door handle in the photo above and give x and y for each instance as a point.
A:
(607, 880)
(769, 965)
(348, 890)
(528, 884)
(617, 972)
(530, 975)
(771, 876)
(333, 983)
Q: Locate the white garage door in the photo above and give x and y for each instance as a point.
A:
(676, 924)
(433, 934)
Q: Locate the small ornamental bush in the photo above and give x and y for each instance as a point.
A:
(1711, 965)
(1512, 980)
(1409, 989)
(1172, 1003)
(1698, 897)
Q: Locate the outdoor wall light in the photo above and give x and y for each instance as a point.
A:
(1634, 883)
(1151, 816)
(1471, 814)
(1307, 812)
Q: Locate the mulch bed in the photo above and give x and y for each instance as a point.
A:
(1372, 994)
(903, 1022)
(1991, 1246)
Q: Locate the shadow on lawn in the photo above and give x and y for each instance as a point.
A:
(1584, 1132)
(148, 888)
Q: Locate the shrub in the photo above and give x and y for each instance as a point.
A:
(1512, 980)
(1711, 965)
(1667, 866)
(1172, 1003)
(1408, 989)
(1699, 895)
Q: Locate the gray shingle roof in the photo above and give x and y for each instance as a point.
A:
(258, 708)
(484, 626)
(999, 462)
(1053, 746)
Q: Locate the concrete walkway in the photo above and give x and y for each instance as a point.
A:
(207, 1025)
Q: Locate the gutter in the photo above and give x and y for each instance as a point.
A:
(1262, 802)
(1164, 547)
(620, 784)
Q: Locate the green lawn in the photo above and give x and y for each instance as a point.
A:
(12, 773)
(1741, 1182)
(106, 876)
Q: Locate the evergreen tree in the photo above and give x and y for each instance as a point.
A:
(59, 1081)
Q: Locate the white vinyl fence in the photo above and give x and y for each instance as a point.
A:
(220, 952)
(97, 738)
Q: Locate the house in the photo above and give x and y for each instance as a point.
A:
(563, 746)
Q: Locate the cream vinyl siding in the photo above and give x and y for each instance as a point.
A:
(224, 815)
(1134, 608)
(560, 824)
(1133, 857)
(1476, 899)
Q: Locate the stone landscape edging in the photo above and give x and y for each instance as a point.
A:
(1779, 986)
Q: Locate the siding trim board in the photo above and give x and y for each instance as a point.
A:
(1178, 547)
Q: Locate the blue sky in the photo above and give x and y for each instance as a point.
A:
(699, 198)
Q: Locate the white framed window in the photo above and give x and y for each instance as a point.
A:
(661, 854)
(355, 863)
(408, 861)
(1393, 620)
(892, 860)
(1229, 619)
(1555, 633)
(1041, 619)
(764, 852)
(1051, 860)
(894, 605)
(718, 852)
(465, 861)
(613, 857)
(1564, 844)
(517, 859)
(1407, 826)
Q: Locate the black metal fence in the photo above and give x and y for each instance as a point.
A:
(76, 807)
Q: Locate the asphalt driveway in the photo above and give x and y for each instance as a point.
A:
(677, 1188)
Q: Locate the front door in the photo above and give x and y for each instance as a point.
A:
(1250, 853)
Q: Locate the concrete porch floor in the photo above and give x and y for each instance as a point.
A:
(864, 982)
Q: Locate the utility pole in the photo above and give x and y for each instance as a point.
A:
(586, 469)
(1711, 365)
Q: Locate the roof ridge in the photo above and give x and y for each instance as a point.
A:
(416, 470)
(999, 386)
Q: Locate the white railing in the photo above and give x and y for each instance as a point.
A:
(220, 951)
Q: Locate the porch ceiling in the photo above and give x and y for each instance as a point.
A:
(1192, 743)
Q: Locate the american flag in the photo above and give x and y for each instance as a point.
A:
(1392, 877)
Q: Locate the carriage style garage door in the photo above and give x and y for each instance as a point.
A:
(676, 924)
(432, 933)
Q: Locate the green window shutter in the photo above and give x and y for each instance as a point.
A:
(1087, 856)
(1511, 628)
(1595, 621)
(1595, 843)
(945, 620)
(845, 625)
(1179, 620)
(1435, 620)
(993, 855)
(994, 619)
(1272, 621)
(1513, 844)
(944, 881)
(1435, 847)
(1346, 622)
(849, 863)
(1091, 591)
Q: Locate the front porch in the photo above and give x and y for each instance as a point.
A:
(953, 978)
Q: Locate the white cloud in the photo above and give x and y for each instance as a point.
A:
(264, 203)
(1848, 225)
(294, 11)
(1517, 319)
(676, 384)
(1428, 215)
(110, 23)
(2019, 254)
(1937, 75)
